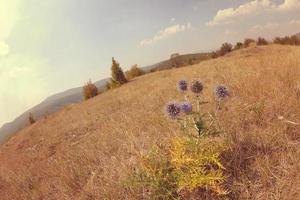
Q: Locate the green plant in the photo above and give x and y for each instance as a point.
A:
(196, 158)
(193, 160)
(197, 164)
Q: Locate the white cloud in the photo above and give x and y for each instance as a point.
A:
(228, 15)
(167, 32)
(8, 18)
(289, 5)
(254, 7)
(271, 30)
(230, 32)
(172, 19)
(263, 27)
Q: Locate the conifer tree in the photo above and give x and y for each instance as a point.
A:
(117, 74)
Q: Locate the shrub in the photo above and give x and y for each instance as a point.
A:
(248, 41)
(190, 61)
(117, 74)
(190, 164)
(238, 45)
(135, 71)
(197, 164)
(112, 84)
(287, 40)
(225, 48)
(214, 54)
(153, 70)
(31, 118)
(277, 40)
(261, 41)
(294, 40)
(89, 90)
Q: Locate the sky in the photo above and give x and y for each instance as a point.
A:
(48, 46)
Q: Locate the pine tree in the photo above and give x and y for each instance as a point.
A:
(117, 74)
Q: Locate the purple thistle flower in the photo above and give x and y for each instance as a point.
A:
(221, 92)
(182, 85)
(197, 87)
(172, 109)
(186, 107)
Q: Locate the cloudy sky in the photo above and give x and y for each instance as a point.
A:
(47, 46)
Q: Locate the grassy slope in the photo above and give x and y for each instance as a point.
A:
(86, 150)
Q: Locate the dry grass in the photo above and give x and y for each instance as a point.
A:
(86, 150)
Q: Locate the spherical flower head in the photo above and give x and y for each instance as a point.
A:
(186, 107)
(221, 92)
(173, 110)
(197, 87)
(182, 85)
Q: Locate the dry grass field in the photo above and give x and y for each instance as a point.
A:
(87, 150)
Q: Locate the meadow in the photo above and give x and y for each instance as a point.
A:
(88, 150)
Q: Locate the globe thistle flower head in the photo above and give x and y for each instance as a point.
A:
(172, 110)
(221, 92)
(182, 85)
(196, 87)
(186, 107)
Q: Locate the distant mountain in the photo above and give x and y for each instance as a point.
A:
(298, 35)
(74, 95)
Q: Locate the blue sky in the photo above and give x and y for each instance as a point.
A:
(47, 46)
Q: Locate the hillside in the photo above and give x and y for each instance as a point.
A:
(50, 105)
(87, 150)
(56, 102)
